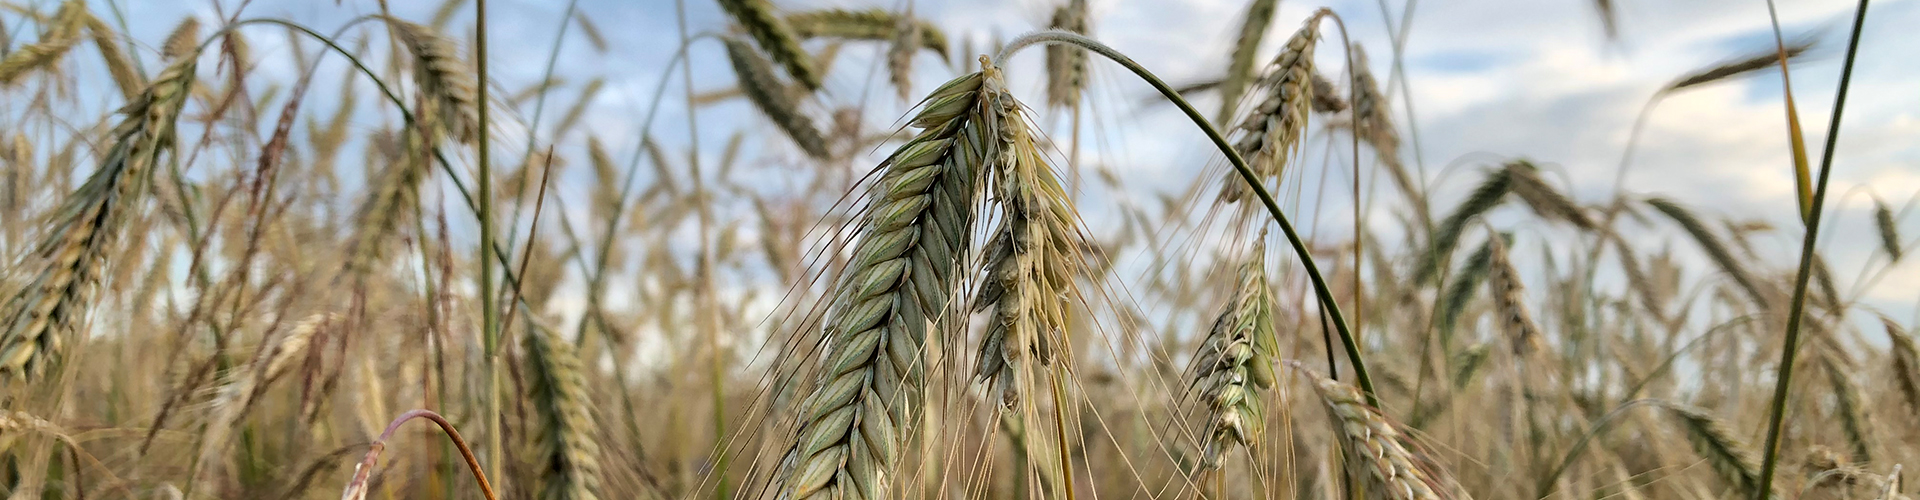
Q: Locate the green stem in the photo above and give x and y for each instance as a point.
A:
(489, 315)
(1320, 288)
(1797, 308)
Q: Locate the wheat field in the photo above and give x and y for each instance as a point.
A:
(373, 259)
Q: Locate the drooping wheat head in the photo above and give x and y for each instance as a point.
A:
(1729, 456)
(892, 294)
(448, 98)
(865, 24)
(1273, 128)
(63, 32)
(1377, 458)
(1509, 305)
(771, 33)
(1253, 29)
(568, 458)
(1032, 258)
(764, 89)
(43, 319)
(1236, 362)
(1544, 199)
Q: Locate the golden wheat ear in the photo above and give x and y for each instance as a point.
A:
(1234, 368)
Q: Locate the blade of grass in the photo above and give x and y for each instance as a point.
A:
(1797, 307)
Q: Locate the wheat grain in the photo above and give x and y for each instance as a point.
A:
(1032, 259)
(1712, 440)
(1067, 64)
(1253, 29)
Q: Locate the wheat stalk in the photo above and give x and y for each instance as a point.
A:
(1236, 362)
(569, 454)
(772, 34)
(1273, 128)
(889, 296)
(1375, 451)
(42, 319)
(766, 92)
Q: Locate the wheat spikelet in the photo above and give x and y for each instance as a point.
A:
(445, 82)
(766, 92)
(1543, 198)
(1715, 249)
(1032, 258)
(1376, 454)
(893, 292)
(1712, 440)
(1888, 229)
(1906, 364)
(236, 395)
(1253, 29)
(1067, 64)
(1491, 191)
(1273, 128)
(1236, 362)
(569, 455)
(772, 34)
(1503, 284)
(184, 37)
(865, 24)
(1326, 96)
(43, 318)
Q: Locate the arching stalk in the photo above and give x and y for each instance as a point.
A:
(1320, 288)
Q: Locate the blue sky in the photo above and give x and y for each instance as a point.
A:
(1490, 78)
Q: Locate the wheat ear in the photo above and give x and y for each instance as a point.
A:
(1032, 258)
(1236, 362)
(448, 96)
(1730, 456)
(1273, 128)
(42, 319)
(1503, 284)
(1888, 229)
(772, 34)
(1376, 455)
(891, 294)
(1066, 64)
(865, 24)
(764, 89)
(1906, 364)
(569, 455)
(1253, 29)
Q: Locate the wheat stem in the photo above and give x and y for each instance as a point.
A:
(1797, 308)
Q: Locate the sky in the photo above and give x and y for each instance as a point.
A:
(1490, 80)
